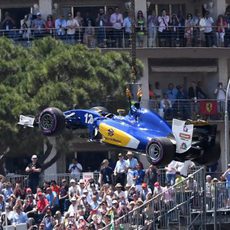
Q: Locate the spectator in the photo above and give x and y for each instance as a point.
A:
(220, 93)
(127, 28)
(89, 33)
(42, 206)
(220, 30)
(18, 216)
(145, 191)
(227, 30)
(60, 26)
(80, 21)
(173, 29)
(152, 23)
(72, 191)
(151, 176)
(140, 28)
(25, 27)
(101, 21)
(116, 20)
(208, 30)
(171, 173)
(120, 170)
(63, 196)
(138, 177)
(166, 106)
(53, 200)
(131, 163)
(38, 25)
(75, 169)
(208, 186)
(33, 169)
(189, 30)
(106, 173)
(2, 204)
(50, 24)
(7, 191)
(226, 175)
(8, 24)
(171, 92)
(48, 220)
(71, 25)
(163, 30)
(185, 167)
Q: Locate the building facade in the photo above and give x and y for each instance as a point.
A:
(177, 64)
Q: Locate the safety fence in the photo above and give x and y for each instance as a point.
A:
(182, 206)
(22, 179)
(108, 37)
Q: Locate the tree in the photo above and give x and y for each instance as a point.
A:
(52, 73)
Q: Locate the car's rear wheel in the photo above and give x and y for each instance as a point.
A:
(160, 151)
(210, 156)
(51, 121)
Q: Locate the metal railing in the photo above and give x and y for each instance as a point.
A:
(173, 207)
(108, 37)
(207, 109)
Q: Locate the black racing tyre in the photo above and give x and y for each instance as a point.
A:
(210, 156)
(160, 151)
(51, 121)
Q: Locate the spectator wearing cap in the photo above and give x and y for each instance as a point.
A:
(80, 187)
(72, 210)
(33, 169)
(131, 163)
(38, 25)
(53, 200)
(120, 170)
(226, 175)
(106, 173)
(75, 169)
(145, 190)
(42, 205)
(158, 189)
(119, 193)
(72, 191)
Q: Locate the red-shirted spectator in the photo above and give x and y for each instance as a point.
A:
(55, 187)
(42, 203)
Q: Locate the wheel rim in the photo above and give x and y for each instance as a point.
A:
(47, 121)
(155, 152)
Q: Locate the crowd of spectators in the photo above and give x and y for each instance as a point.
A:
(90, 204)
(113, 28)
(77, 203)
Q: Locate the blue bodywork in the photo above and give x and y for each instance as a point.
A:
(140, 123)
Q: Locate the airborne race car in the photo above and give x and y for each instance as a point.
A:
(141, 131)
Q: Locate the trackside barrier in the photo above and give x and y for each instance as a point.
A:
(170, 209)
(22, 179)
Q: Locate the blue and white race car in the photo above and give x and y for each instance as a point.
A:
(141, 130)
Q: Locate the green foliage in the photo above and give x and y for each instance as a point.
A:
(51, 73)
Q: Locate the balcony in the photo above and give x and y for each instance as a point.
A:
(206, 109)
(107, 37)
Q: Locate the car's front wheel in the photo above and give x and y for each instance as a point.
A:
(51, 121)
(160, 151)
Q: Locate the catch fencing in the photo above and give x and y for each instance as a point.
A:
(185, 205)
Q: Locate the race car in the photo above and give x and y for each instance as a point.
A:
(141, 130)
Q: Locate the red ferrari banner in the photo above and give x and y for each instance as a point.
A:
(208, 107)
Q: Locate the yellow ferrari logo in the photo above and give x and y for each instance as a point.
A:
(209, 107)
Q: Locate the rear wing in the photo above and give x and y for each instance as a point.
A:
(183, 134)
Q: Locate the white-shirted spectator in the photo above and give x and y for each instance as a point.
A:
(184, 167)
(171, 173)
(72, 191)
(75, 169)
(120, 170)
(131, 163)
